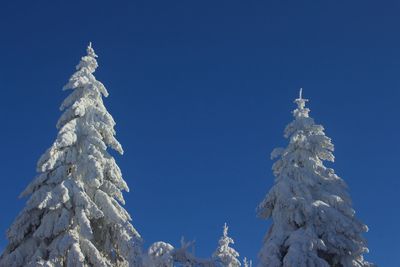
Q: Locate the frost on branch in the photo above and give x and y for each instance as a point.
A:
(73, 216)
(182, 257)
(225, 255)
(314, 223)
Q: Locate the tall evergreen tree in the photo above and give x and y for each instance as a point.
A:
(225, 255)
(314, 223)
(73, 216)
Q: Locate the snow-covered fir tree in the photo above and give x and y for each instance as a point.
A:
(314, 223)
(225, 255)
(73, 216)
(247, 263)
(160, 254)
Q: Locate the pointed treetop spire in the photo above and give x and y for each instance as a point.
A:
(90, 50)
(88, 62)
(301, 102)
(226, 230)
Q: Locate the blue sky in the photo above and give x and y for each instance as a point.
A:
(201, 92)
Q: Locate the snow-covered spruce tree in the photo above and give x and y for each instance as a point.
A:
(160, 254)
(225, 255)
(247, 263)
(314, 223)
(73, 217)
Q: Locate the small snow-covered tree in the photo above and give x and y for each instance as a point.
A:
(247, 263)
(225, 255)
(73, 216)
(160, 254)
(314, 223)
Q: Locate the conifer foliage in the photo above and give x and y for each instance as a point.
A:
(73, 216)
(225, 255)
(314, 224)
(247, 263)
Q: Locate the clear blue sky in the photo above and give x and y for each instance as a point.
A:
(201, 92)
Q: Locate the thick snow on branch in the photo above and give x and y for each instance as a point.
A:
(160, 254)
(314, 223)
(73, 216)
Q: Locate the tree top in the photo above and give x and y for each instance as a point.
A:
(90, 51)
(301, 102)
(226, 230)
